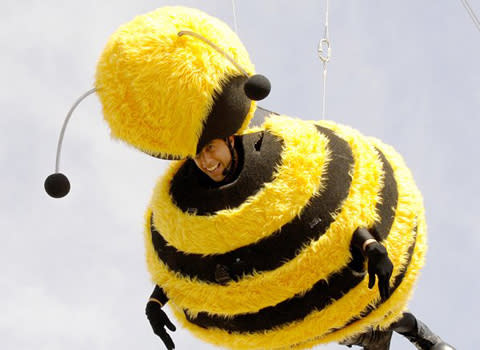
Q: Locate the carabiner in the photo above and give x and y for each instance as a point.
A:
(324, 50)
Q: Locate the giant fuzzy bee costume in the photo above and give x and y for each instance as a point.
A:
(284, 228)
(282, 231)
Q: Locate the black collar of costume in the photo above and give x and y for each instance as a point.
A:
(258, 156)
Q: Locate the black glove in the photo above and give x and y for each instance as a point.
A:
(159, 320)
(379, 264)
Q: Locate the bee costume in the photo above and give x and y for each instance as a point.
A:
(280, 234)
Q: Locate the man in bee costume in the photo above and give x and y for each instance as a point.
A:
(263, 240)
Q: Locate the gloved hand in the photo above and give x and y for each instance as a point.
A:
(379, 264)
(159, 320)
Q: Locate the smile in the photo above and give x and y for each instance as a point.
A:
(213, 168)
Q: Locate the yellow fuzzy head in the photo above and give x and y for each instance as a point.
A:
(158, 88)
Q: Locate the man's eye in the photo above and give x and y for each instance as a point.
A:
(210, 147)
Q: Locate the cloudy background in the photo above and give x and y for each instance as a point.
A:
(72, 271)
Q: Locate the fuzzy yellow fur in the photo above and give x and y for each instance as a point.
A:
(157, 88)
(314, 329)
(317, 260)
(317, 256)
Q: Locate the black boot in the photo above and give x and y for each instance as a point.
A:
(419, 334)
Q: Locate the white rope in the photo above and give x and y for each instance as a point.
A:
(471, 13)
(64, 127)
(324, 53)
(234, 8)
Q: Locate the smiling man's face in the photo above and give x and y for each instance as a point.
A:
(215, 158)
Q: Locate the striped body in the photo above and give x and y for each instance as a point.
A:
(283, 230)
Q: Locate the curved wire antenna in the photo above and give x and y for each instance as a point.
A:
(64, 127)
(205, 40)
(471, 13)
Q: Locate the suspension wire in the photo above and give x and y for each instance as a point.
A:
(471, 13)
(234, 8)
(64, 127)
(324, 53)
(324, 100)
(325, 34)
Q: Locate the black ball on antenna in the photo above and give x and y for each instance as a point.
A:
(57, 185)
(257, 87)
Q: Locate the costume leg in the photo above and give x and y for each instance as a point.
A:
(371, 340)
(418, 333)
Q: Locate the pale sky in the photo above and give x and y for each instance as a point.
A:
(73, 270)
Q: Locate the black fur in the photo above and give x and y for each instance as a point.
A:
(190, 190)
(228, 113)
(389, 195)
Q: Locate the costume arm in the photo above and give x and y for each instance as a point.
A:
(158, 296)
(158, 318)
(379, 263)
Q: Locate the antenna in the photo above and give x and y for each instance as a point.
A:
(57, 185)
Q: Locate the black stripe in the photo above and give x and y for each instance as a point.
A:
(261, 155)
(280, 247)
(389, 198)
(386, 207)
(321, 295)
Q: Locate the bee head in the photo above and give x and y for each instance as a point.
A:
(169, 94)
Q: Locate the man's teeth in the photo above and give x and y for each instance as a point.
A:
(213, 168)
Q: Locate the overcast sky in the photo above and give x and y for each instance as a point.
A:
(73, 270)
